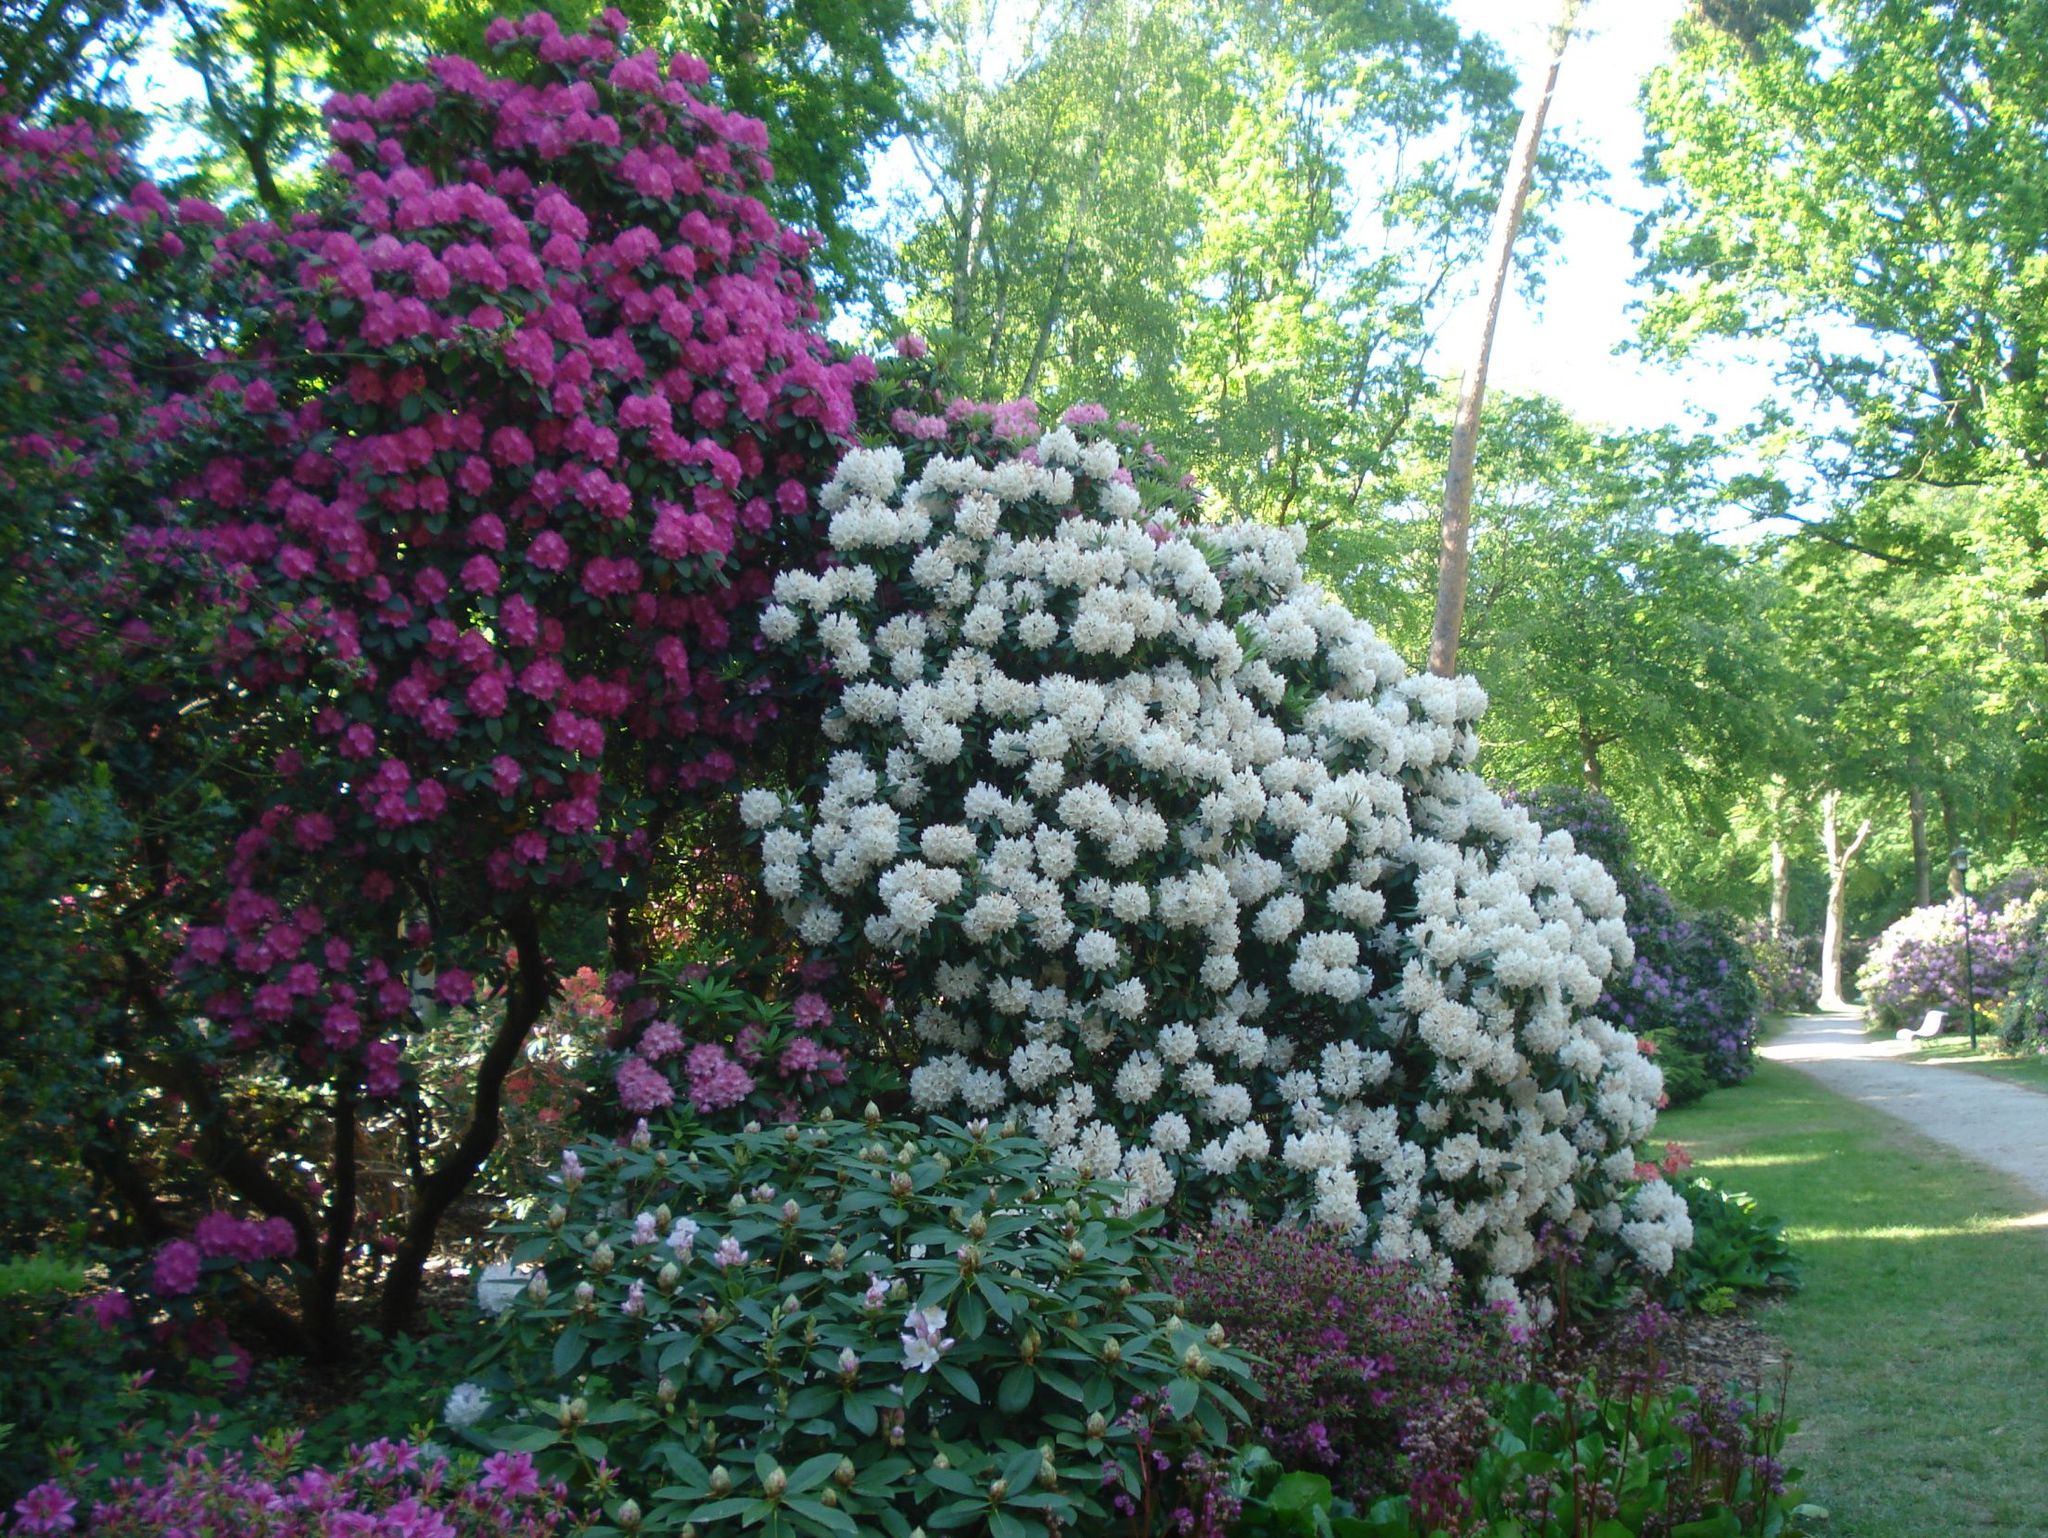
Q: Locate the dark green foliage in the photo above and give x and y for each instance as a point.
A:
(783, 1346)
(1686, 1080)
(1736, 1249)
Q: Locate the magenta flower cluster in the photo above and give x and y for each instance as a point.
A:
(776, 1071)
(387, 1489)
(531, 421)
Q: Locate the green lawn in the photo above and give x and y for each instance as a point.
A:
(2030, 1069)
(1920, 1342)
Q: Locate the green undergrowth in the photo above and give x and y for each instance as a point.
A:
(1918, 1348)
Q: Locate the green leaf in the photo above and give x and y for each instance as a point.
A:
(568, 1351)
(1183, 1394)
(1016, 1389)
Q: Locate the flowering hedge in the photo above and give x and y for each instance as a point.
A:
(1178, 858)
(1692, 975)
(1917, 963)
(387, 1488)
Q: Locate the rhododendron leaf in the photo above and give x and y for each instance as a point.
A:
(1182, 1395)
(1016, 1389)
(963, 1382)
(569, 1348)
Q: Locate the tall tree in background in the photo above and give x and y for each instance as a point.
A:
(1233, 221)
(1455, 554)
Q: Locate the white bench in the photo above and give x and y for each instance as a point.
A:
(1930, 1027)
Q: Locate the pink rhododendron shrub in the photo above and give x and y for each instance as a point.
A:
(480, 486)
(385, 1488)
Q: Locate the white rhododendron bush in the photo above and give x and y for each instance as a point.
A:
(1188, 872)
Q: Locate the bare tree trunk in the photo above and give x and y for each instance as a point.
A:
(1916, 807)
(1838, 886)
(1454, 558)
(1781, 887)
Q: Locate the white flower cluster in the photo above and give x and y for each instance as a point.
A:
(1191, 874)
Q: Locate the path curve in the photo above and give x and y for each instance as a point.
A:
(1995, 1123)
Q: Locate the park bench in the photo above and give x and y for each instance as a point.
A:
(1931, 1026)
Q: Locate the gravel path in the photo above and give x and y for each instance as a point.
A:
(2002, 1125)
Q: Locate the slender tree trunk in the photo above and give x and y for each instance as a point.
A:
(1589, 757)
(963, 253)
(1839, 856)
(531, 988)
(1781, 888)
(1454, 559)
(1916, 808)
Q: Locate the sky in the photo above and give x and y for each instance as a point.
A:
(1566, 346)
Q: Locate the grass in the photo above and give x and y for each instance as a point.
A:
(1918, 1343)
(2029, 1069)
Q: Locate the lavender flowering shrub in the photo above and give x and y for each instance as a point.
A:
(1361, 1364)
(387, 1489)
(1786, 968)
(1692, 975)
(1917, 963)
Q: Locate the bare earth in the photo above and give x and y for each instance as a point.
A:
(2002, 1125)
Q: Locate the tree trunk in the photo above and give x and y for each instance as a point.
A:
(531, 989)
(1454, 558)
(1589, 755)
(1838, 885)
(1781, 888)
(1916, 807)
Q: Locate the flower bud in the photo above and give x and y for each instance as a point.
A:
(835, 1258)
(592, 1239)
(537, 1286)
(872, 1115)
(642, 1139)
(629, 1514)
(663, 1216)
(661, 1163)
(999, 1490)
(941, 1461)
(1216, 1336)
(665, 1393)
(1048, 1471)
(557, 1216)
(721, 1482)
(899, 1185)
(829, 1497)
(790, 1211)
(977, 1227)
(1194, 1362)
(844, 1474)
(789, 1134)
(752, 1128)
(737, 1205)
(775, 1483)
(1112, 1352)
(1076, 1251)
(667, 1277)
(586, 1295)
(1097, 1425)
(602, 1259)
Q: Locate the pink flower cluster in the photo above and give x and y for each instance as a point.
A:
(178, 1264)
(389, 1489)
(539, 396)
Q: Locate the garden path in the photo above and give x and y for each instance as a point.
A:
(1993, 1122)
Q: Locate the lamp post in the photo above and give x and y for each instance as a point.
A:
(1961, 860)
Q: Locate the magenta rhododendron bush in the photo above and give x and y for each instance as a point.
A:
(533, 423)
(479, 472)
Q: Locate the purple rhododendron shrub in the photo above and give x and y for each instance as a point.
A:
(480, 479)
(1917, 963)
(387, 1488)
(1692, 974)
